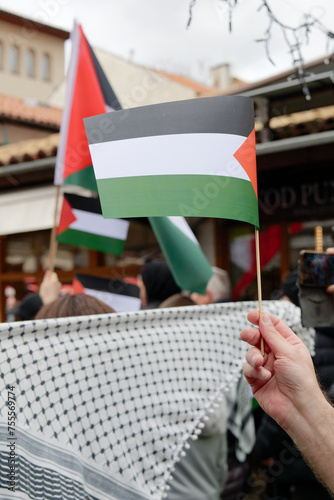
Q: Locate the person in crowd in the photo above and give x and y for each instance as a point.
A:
(49, 290)
(241, 439)
(218, 289)
(67, 305)
(285, 385)
(296, 480)
(50, 287)
(201, 474)
(240, 425)
(289, 288)
(29, 306)
(177, 300)
(156, 283)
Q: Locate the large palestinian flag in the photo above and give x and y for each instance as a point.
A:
(82, 224)
(189, 158)
(88, 93)
(118, 294)
(190, 268)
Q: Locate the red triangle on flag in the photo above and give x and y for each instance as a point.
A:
(87, 100)
(246, 156)
(66, 217)
(77, 286)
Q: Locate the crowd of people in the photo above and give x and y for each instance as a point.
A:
(283, 449)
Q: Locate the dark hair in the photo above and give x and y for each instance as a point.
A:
(29, 306)
(290, 287)
(158, 280)
(177, 300)
(79, 304)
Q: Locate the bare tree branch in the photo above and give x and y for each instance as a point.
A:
(295, 37)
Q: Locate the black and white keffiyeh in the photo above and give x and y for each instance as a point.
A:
(105, 404)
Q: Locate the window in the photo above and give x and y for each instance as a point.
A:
(14, 59)
(30, 63)
(46, 67)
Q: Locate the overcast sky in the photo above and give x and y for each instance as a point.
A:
(154, 32)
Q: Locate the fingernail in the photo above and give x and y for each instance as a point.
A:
(254, 359)
(264, 374)
(266, 318)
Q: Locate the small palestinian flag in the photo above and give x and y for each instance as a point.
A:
(118, 294)
(191, 158)
(189, 266)
(88, 93)
(82, 224)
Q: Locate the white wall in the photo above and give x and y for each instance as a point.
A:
(21, 85)
(134, 85)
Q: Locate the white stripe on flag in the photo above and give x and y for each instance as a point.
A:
(95, 223)
(119, 302)
(71, 74)
(193, 154)
(183, 226)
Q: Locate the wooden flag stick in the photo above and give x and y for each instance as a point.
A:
(53, 240)
(258, 270)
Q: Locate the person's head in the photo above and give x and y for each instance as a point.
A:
(177, 300)
(217, 289)
(29, 306)
(289, 288)
(156, 282)
(67, 305)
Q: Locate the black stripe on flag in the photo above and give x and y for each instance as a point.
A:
(220, 115)
(84, 203)
(106, 285)
(107, 91)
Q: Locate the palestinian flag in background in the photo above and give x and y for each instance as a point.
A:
(190, 268)
(82, 224)
(88, 93)
(118, 294)
(243, 254)
(190, 158)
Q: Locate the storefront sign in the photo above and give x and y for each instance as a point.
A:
(310, 197)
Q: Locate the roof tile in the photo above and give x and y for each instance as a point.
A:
(17, 109)
(29, 150)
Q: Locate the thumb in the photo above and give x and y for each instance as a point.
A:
(272, 336)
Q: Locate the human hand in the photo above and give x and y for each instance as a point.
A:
(50, 287)
(283, 381)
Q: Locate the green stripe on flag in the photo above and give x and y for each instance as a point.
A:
(92, 241)
(189, 266)
(186, 195)
(84, 178)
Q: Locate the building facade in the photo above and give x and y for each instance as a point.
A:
(32, 93)
(294, 159)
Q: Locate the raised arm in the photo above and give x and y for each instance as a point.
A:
(285, 385)
(50, 287)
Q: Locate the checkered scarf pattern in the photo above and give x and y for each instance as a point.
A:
(105, 404)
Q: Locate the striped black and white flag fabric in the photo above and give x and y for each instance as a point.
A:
(82, 224)
(190, 158)
(118, 294)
